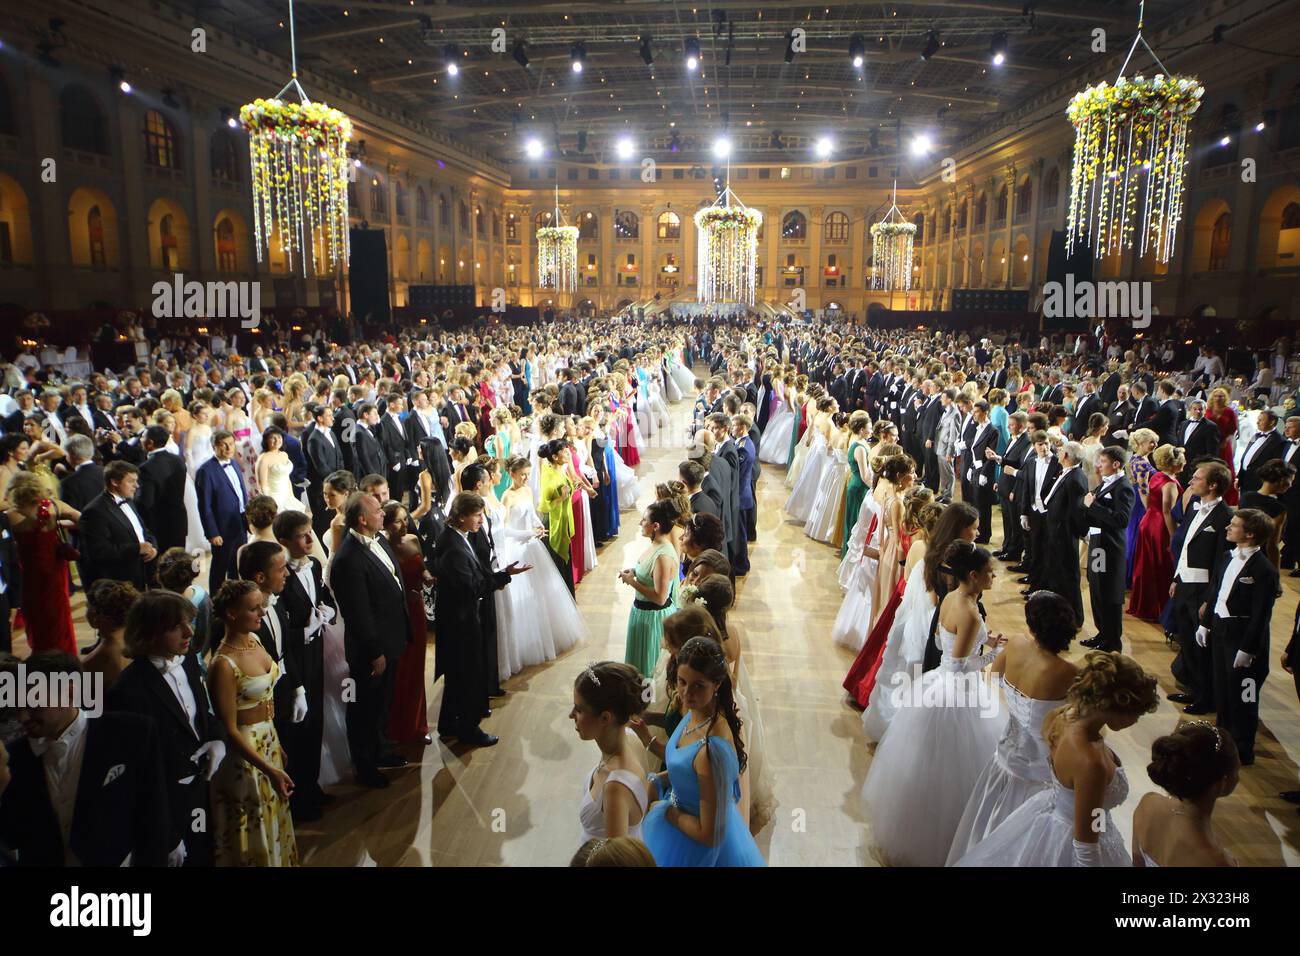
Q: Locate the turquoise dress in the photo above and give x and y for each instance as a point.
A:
(645, 626)
(732, 843)
(856, 491)
(490, 447)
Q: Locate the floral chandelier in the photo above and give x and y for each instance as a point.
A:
(557, 254)
(891, 250)
(299, 162)
(1130, 160)
(728, 249)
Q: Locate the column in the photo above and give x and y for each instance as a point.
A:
(856, 293)
(990, 208)
(950, 244)
(1035, 206)
(816, 291)
(647, 269)
(47, 204)
(607, 270)
(772, 271)
(1009, 267)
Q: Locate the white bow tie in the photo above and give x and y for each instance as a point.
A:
(271, 599)
(300, 564)
(57, 749)
(170, 664)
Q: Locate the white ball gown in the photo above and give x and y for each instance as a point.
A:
(627, 483)
(1017, 771)
(804, 495)
(537, 618)
(762, 800)
(903, 655)
(924, 770)
(335, 757)
(825, 516)
(774, 448)
(278, 486)
(198, 449)
(1041, 832)
(684, 376)
(858, 577)
(801, 452)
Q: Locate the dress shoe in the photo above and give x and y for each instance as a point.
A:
(982, 540)
(1290, 796)
(1028, 591)
(1093, 642)
(487, 713)
(1181, 699)
(1295, 573)
(1013, 559)
(373, 778)
(1000, 555)
(1023, 580)
(427, 740)
(1197, 710)
(1018, 568)
(481, 740)
(497, 693)
(390, 762)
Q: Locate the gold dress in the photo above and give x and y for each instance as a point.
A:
(252, 823)
(889, 568)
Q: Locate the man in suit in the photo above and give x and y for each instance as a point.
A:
(465, 585)
(79, 791)
(222, 502)
(693, 475)
(308, 607)
(981, 467)
(1063, 503)
(1234, 625)
(968, 427)
(114, 540)
(928, 430)
(345, 420)
(1197, 436)
(1055, 391)
(1265, 445)
(164, 683)
(1144, 406)
(1106, 510)
(455, 411)
(475, 478)
(367, 583)
(725, 465)
(1089, 402)
(1010, 462)
(82, 485)
(1198, 542)
(569, 392)
(368, 456)
(324, 457)
(748, 450)
(161, 499)
(1035, 482)
(392, 438)
(1164, 416)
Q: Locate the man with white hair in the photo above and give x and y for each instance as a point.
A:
(1066, 528)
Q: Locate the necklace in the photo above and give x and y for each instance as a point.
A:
(703, 723)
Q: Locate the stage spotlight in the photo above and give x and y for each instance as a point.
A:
(228, 116)
(449, 54)
(1225, 140)
(533, 148)
(1259, 127)
(999, 48)
(692, 50)
(577, 53)
(624, 147)
(647, 54)
(119, 78)
(722, 147)
(931, 45)
(921, 144)
(520, 55)
(789, 47)
(825, 146)
(857, 51)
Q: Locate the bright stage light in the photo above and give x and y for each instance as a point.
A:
(533, 148)
(722, 147)
(624, 148)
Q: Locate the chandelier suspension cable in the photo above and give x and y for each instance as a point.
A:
(1141, 39)
(293, 63)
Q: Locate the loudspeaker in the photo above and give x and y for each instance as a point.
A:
(435, 298)
(990, 300)
(1079, 265)
(368, 276)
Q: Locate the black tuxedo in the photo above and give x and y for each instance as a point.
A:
(1036, 550)
(1063, 534)
(982, 471)
(706, 502)
(82, 486)
(392, 437)
(1052, 395)
(455, 414)
(1199, 439)
(928, 429)
(965, 472)
(1109, 514)
(465, 587)
(1245, 628)
(368, 456)
(110, 548)
(1012, 459)
(1079, 421)
(121, 804)
(485, 549)
(160, 499)
(372, 603)
(1291, 533)
(737, 542)
(1260, 450)
(345, 424)
(303, 746)
(569, 398)
(323, 459)
(142, 689)
(1192, 668)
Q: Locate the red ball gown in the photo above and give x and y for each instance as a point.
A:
(1153, 561)
(408, 720)
(45, 586)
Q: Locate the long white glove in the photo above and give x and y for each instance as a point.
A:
(313, 627)
(299, 706)
(1203, 636)
(1243, 659)
(177, 856)
(1024, 522)
(326, 613)
(983, 480)
(1087, 854)
(215, 751)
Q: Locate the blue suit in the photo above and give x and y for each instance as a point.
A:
(222, 512)
(293, 448)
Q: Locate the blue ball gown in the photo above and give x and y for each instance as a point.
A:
(732, 845)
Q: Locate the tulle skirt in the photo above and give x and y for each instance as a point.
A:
(1038, 834)
(627, 485)
(797, 464)
(826, 515)
(672, 389)
(998, 793)
(903, 655)
(195, 540)
(775, 445)
(537, 618)
(853, 619)
(335, 757)
(762, 801)
(947, 726)
(685, 378)
(863, 530)
(588, 535)
(804, 495)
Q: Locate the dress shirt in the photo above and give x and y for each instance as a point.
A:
(1105, 483)
(1060, 480)
(1238, 561)
(1040, 475)
(61, 760)
(273, 626)
(85, 412)
(378, 551)
(1187, 431)
(1183, 572)
(232, 475)
(303, 570)
(1256, 441)
(127, 507)
(173, 675)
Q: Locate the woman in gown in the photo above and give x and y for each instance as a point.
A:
(897, 475)
(1197, 765)
(608, 489)
(946, 727)
(858, 455)
(35, 515)
(250, 791)
(583, 547)
(1153, 561)
(623, 420)
(694, 821)
(197, 450)
(557, 500)
(826, 519)
(920, 514)
(335, 757)
(861, 563)
(689, 620)
(804, 494)
(799, 404)
(1053, 828)
(606, 697)
(1142, 442)
(654, 579)
(408, 721)
(501, 444)
(246, 440)
(1035, 679)
(803, 449)
(775, 445)
(1219, 411)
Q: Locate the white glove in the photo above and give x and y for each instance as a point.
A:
(177, 856)
(299, 706)
(983, 480)
(961, 446)
(313, 626)
(1024, 522)
(1121, 434)
(412, 462)
(326, 613)
(397, 467)
(215, 751)
(1203, 636)
(1243, 659)
(1087, 854)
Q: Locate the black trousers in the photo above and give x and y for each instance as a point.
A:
(1236, 689)
(1037, 559)
(320, 516)
(930, 477)
(738, 547)
(1192, 668)
(367, 715)
(1107, 612)
(1291, 539)
(224, 561)
(1062, 570)
(6, 632)
(1012, 534)
(749, 518)
(984, 505)
(303, 745)
(488, 620)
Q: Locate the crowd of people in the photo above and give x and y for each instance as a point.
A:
(352, 502)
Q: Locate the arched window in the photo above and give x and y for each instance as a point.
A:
(588, 226)
(95, 230)
(670, 226)
(225, 158)
(167, 242)
(836, 228)
(479, 225)
(464, 217)
(226, 251)
(961, 215)
(1291, 216)
(981, 209)
(399, 199)
(81, 121)
(627, 225)
(378, 198)
(1000, 210)
(919, 221)
(161, 147)
(794, 226)
(444, 211)
(1052, 188)
(1220, 240)
(421, 204)
(1024, 197)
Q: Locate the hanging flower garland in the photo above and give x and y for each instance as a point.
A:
(891, 255)
(557, 257)
(727, 234)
